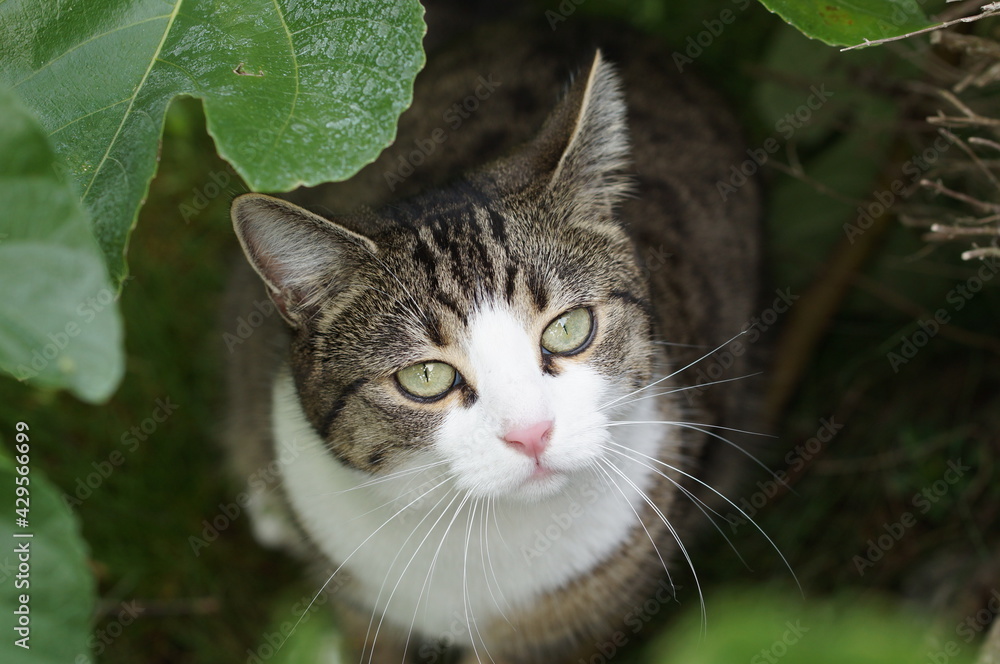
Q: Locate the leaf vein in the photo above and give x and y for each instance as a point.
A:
(84, 43)
(295, 63)
(138, 89)
(87, 115)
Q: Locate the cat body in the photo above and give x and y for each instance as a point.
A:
(559, 261)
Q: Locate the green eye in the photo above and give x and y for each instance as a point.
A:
(568, 333)
(427, 380)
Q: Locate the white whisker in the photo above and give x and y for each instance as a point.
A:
(721, 495)
(652, 541)
(674, 373)
(470, 616)
(416, 551)
(402, 493)
(484, 552)
(348, 557)
(677, 538)
(380, 479)
(699, 428)
(698, 502)
(682, 389)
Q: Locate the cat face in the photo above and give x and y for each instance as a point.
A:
(483, 327)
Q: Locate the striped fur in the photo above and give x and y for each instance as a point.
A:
(572, 217)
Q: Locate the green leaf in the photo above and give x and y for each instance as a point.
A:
(295, 91)
(302, 630)
(59, 321)
(771, 628)
(60, 590)
(853, 22)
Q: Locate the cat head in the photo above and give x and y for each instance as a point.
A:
(481, 326)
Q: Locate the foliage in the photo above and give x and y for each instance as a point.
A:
(847, 24)
(294, 92)
(761, 627)
(58, 324)
(52, 574)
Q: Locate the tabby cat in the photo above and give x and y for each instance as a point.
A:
(479, 396)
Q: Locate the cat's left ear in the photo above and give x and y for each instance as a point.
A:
(585, 142)
(303, 258)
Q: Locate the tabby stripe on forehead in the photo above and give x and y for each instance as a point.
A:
(423, 254)
(537, 289)
(497, 226)
(458, 266)
(432, 325)
(338, 406)
(451, 304)
(511, 282)
(488, 272)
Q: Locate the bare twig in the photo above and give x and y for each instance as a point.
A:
(979, 140)
(918, 312)
(991, 9)
(940, 231)
(959, 196)
(981, 252)
(798, 173)
(972, 155)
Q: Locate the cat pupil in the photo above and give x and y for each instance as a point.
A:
(427, 380)
(569, 332)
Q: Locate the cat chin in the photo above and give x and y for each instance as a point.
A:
(532, 487)
(539, 487)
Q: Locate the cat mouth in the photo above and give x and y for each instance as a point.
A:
(544, 480)
(542, 473)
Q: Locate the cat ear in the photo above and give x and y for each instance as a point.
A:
(298, 254)
(585, 141)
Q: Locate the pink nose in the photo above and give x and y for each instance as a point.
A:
(530, 440)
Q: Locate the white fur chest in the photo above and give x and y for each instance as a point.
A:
(431, 558)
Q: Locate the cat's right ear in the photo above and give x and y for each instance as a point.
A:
(299, 255)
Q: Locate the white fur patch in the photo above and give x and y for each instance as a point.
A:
(466, 533)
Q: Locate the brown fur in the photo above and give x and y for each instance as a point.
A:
(395, 285)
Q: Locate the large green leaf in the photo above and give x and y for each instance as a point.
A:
(59, 321)
(851, 22)
(768, 627)
(295, 91)
(52, 574)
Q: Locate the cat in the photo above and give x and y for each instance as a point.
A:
(476, 377)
